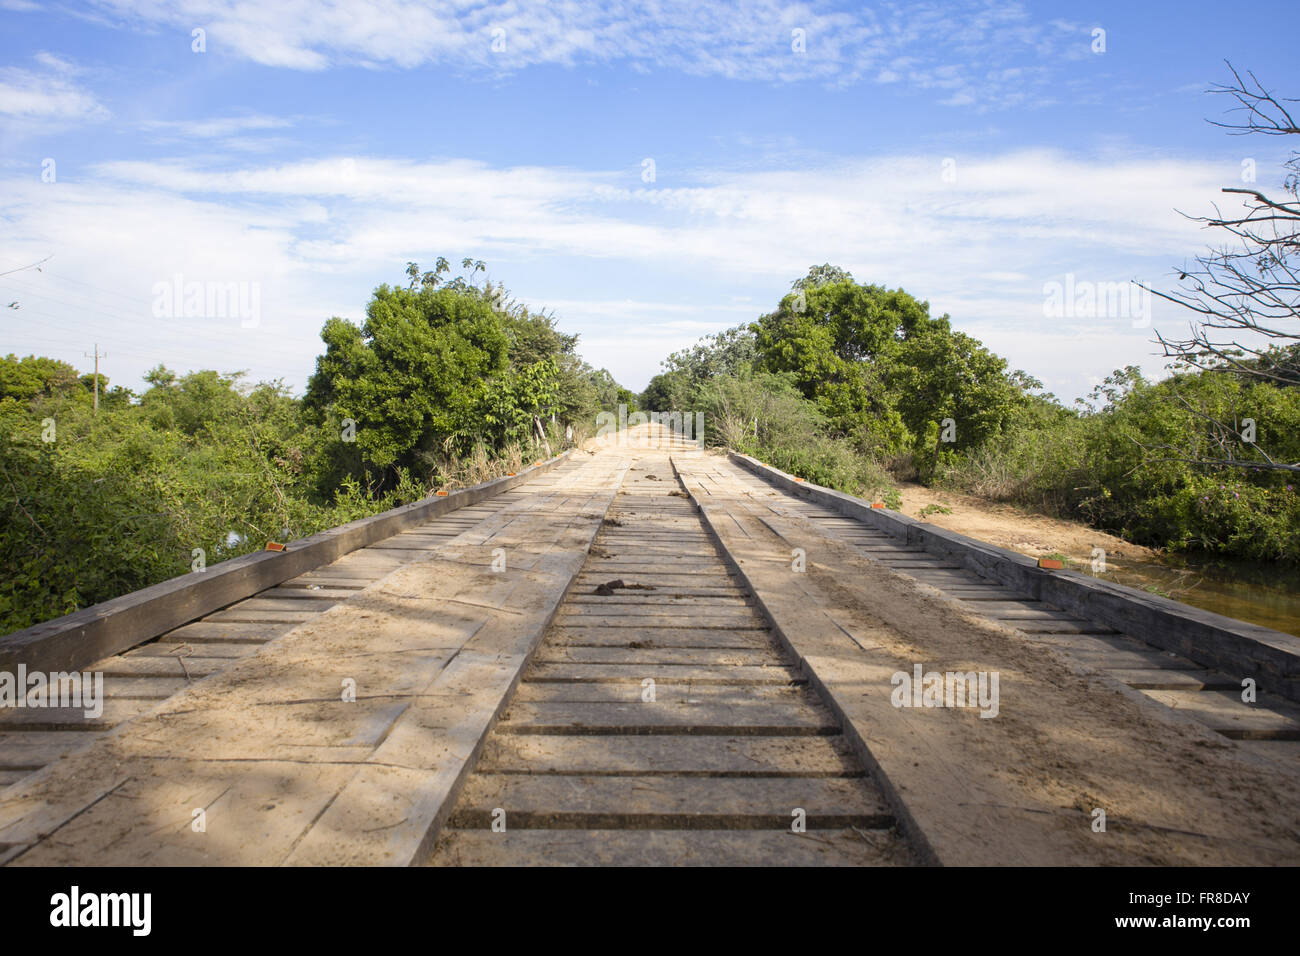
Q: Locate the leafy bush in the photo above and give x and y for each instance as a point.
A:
(445, 389)
(765, 416)
(846, 384)
(1135, 465)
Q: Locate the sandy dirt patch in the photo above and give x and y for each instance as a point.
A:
(1016, 529)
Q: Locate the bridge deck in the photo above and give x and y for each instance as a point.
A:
(660, 722)
(648, 655)
(1207, 694)
(136, 680)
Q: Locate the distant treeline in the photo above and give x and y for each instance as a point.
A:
(445, 383)
(855, 386)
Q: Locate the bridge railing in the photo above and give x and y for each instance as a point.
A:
(75, 640)
(1235, 647)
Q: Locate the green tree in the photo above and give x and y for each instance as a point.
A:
(30, 377)
(882, 370)
(414, 376)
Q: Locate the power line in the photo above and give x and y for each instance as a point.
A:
(34, 265)
(35, 291)
(194, 332)
(56, 275)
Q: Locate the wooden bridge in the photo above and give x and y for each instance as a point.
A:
(646, 653)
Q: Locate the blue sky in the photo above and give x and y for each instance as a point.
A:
(971, 153)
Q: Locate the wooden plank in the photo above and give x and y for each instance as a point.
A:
(762, 717)
(991, 605)
(160, 666)
(564, 801)
(670, 848)
(1032, 614)
(1228, 715)
(660, 579)
(31, 750)
(325, 595)
(257, 616)
(700, 673)
(655, 564)
(943, 579)
(225, 632)
(658, 637)
(729, 622)
(1059, 627)
(286, 607)
(706, 756)
(1160, 678)
(687, 533)
(333, 582)
(536, 692)
(651, 657)
(981, 589)
(118, 687)
(1108, 658)
(71, 719)
(366, 562)
(680, 597)
(674, 611)
(187, 650)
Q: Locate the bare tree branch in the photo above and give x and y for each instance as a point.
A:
(1245, 294)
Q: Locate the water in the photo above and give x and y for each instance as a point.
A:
(1255, 591)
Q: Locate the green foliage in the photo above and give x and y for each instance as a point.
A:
(419, 373)
(764, 415)
(1131, 462)
(446, 383)
(440, 369)
(844, 381)
(883, 371)
(28, 378)
(116, 502)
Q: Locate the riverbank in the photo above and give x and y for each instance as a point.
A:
(1017, 529)
(1253, 591)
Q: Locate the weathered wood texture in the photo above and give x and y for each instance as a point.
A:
(289, 767)
(1271, 657)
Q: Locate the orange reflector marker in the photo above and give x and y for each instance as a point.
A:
(877, 504)
(441, 494)
(1051, 564)
(510, 474)
(274, 546)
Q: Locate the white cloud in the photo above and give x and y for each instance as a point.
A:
(50, 95)
(655, 268)
(747, 40)
(215, 127)
(56, 63)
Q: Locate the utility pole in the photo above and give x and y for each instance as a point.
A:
(98, 355)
